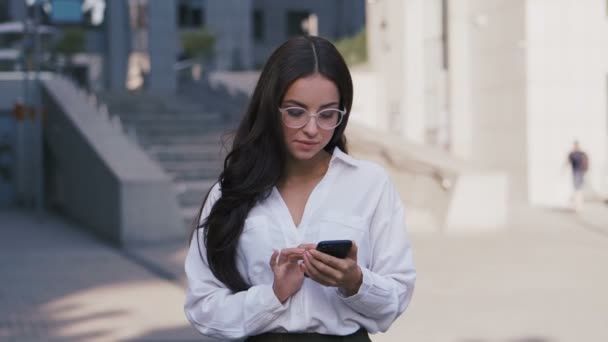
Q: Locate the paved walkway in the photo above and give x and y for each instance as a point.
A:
(543, 279)
(60, 284)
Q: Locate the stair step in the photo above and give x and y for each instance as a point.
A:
(154, 141)
(189, 165)
(173, 130)
(193, 193)
(155, 115)
(214, 158)
(188, 134)
(189, 214)
(193, 175)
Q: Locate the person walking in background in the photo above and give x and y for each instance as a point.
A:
(254, 268)
(579, 163)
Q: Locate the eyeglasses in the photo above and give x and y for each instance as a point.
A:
(297, 117)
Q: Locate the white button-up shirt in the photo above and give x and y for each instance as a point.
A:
(356, 201)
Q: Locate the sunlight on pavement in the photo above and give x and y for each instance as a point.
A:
(118, 312)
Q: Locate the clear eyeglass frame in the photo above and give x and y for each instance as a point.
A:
(309, 115)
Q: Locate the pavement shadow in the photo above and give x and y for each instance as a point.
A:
(62, 284)
(517, 339)
(592, 217)
(185, 334)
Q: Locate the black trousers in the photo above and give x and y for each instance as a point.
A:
(359, 336)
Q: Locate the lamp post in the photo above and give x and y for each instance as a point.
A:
(37, 136)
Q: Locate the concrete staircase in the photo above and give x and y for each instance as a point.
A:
(187, 134)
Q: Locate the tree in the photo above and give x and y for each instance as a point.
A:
(354, 49)
(72, 41)
(198, 43)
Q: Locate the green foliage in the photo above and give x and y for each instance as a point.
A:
(197, 43)
(71, 42)
(354, 49)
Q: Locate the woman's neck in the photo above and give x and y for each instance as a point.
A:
(307, 170)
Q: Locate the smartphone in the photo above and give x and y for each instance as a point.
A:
(335, 248)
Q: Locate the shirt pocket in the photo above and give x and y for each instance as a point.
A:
(337, 226)
(256, 244)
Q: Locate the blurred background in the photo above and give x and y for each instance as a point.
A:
(115, 118)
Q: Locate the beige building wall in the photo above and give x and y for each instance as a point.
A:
(524, 79)
(567, 85)
(458, 97)
(497, 79)
(396, 53)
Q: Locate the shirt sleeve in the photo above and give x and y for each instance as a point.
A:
(213, 309)
(388, 282)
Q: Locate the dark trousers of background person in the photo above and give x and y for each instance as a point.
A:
(359, 336)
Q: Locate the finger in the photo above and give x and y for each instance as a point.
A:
(352, 254)
(303, 269)
(286, 253)
(295, 257)
(273, 259)
(282, 257)
(291, 251)
(315, 274)
(309, 273)
(307, 246)
(327, 271)
(328, 260)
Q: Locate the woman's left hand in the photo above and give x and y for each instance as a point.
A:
(345, 274)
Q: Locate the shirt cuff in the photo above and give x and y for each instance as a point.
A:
(366, 283)
(262, 296)
(368, 299)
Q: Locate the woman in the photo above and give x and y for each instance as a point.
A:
(253, 271)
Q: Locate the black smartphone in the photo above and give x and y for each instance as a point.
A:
(335, 248)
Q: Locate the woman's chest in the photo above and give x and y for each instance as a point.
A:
(268, 230)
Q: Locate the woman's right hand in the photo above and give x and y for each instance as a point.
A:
(288, 276)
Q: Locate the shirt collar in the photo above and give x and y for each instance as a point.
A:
(343, 157)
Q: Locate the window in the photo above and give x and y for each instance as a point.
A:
(4, 11)
(190, 15)
(258, 25)
(196, 18)
(182, 15)
(296, 22)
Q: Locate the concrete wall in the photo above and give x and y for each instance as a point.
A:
(498, 88)
(396, 53)
(117, 37)
(567, 84)
(435, 81)
(459, 97)
(11, 89)
(16, 9)
(440, 192)
(369, 105)
(524, 79)
(162, 46)
(230, 21)
(25, 168)
(99, 178)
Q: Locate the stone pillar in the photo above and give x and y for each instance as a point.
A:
(230, 21)
(459, 80)
(118, 47)
(396, 52)
(16, 10)
(163, 41)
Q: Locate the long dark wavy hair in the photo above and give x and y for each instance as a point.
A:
(256, 162)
